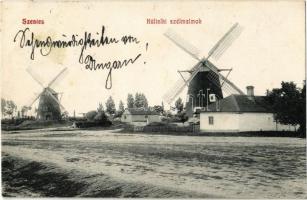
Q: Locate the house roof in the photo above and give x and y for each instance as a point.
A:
(241, 103)
(141, 111)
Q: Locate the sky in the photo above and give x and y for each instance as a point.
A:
(270, 49)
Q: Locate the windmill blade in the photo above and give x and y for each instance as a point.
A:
(37, 97)
(35, 76)
(221, 46)
(217, 82)
(225, 42)
(171, 93)
(55, 99)
(223, 78)
(230, 84)
(182, 43)
(180, 84)
(57, 77)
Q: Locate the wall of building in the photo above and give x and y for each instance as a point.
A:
(133, 118)
(153, 118)
(240, 122)
(126, 117)
(262, 122)
(256, 122)
(222, 122)
(140, 118)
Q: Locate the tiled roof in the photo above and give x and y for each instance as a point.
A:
(241, 103)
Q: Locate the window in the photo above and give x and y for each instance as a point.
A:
(211, 120)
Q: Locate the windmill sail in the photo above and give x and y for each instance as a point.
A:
(180, 85)
(49, 107)
(225, 42)
(182, 43)
(204, 76)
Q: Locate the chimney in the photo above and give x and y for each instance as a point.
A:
(250, 91)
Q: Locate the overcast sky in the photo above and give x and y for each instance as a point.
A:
(269, 50)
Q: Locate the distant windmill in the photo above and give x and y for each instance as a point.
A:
(49, 107)
(203, 76)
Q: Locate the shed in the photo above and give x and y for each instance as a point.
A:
(140, 115)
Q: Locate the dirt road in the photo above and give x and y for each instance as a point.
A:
(104, 163)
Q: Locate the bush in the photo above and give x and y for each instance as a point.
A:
(101, 117)
(91, 115)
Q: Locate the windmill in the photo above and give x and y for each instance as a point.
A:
(204, 76)
(49, 106)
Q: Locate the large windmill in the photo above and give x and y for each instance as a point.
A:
(49, 106)
(204, 77)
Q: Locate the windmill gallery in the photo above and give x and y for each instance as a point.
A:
(210, 94)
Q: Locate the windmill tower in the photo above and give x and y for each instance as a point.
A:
(49, 106)
(204, 77)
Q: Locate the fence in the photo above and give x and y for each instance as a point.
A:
(167, 129)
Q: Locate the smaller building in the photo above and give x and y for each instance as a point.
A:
(241, 113)
(131, 115)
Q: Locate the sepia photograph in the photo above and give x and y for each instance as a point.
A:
(153, 99)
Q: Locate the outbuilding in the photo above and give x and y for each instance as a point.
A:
(241, 113)
(140, 115)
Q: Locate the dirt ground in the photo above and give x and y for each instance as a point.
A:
(108, 164)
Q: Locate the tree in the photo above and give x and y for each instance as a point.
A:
(302, 113)
(121, 107)
(140, 101)
(120, 110)
(144, 100)
(110, 106)
(24, 111)
(162, 106)
(288, 104)
(183, 117)
(101, 116)
(64, 115)
(130, 101)
(10, 107)
(100, 107)
(3, 107)
(137, 101)
(158, 109)
(179, 105)
(91, 115)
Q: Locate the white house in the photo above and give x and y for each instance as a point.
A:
(240, 113)
(140, 115)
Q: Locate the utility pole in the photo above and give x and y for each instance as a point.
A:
(207, 98)
(200, 98)
(191, 96)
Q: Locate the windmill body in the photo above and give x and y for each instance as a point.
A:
(203, 78)
(198, 88)
(48, 108)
